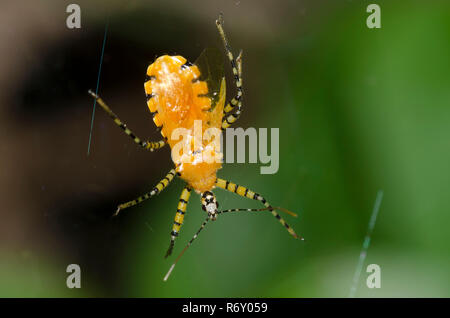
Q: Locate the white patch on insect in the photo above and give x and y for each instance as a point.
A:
(211, 208)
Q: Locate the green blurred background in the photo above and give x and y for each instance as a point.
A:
(359, 110)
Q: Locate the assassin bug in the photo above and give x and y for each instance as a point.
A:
(179, 93)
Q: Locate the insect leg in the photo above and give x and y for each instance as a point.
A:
(157, 189)
(235, 100)
(186, 247)
(179, 217)
(231, 118)
(245, 192)
(149, 145)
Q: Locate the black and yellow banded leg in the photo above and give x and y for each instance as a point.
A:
(149, 145)
(153, 145)
(237, 101)
(179, 217)
(245, 192)
(231, 105)
(186, 247)
(157, 189)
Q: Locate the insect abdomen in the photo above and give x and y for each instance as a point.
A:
(177, 98)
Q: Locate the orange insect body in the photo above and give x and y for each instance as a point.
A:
(188, 106)
(177, 98)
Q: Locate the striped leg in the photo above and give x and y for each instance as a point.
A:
(186, 247)
(179, 217)
(157, 189)
(245, 192)
(149, 145)
(236, 102)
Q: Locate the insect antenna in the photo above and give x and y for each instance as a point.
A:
(184, 250)
(262, 209)
(269, 208)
